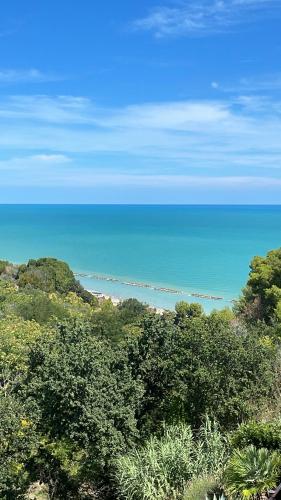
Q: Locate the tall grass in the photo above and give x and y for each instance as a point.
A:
(161, 469)
(200, 488)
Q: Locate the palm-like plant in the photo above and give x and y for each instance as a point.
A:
(251, 472)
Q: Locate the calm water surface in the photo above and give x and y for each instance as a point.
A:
(201, 249)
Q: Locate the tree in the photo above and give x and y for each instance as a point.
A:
(130, 310)
(261, 298)
(186, 310)
(86, 395)
(18, 442)
(205, 367)
(16, 340)
(51, 275)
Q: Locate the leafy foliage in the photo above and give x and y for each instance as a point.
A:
(85, 393)
(262, 296)
(131, 310)
(99, 401)
(252, 471)
(260, 434)
(202, 488)
(51, 275)
(161, 468)
(16, 340)
(18, 441)
(205, 368)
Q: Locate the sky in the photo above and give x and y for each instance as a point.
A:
(149, 101)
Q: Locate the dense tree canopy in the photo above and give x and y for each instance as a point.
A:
(85, 392)
(262, 295)
(94, 397)
(205, 368)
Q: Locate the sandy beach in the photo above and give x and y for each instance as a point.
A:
(116, 300)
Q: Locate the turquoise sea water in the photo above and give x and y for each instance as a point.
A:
(192, 249)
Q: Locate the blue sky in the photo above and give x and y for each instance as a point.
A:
(175, 101)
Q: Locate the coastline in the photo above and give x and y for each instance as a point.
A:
(149, 286)
(157, 297)
(117, 300)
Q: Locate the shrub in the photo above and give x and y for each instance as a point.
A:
(203, 488)
(37, 305)
(160, 469)
(17, 443)
(163, 466)
(16, 339)
(251, 472)
(260, 434)
(3, 265)
(51, 275)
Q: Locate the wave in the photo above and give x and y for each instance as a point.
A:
(139, 284)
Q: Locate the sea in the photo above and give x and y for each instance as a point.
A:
(160, 254)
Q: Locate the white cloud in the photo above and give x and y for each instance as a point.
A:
(33, 162)
(93, 179)
(59, 109)
(180, 115)
(50, 158)
(264, 83)
(167, 137)
(205, 17)
(26, 75)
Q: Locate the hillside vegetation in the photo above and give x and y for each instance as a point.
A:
(99, 401)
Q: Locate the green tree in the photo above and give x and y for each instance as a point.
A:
(260, 434)
(18, 442)
(261, 298)
(86, 395)
(130, 310)
(51, 275)
(204, 368)
(16, 340)
(185, 311)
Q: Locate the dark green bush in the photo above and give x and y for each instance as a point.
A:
(260, 434)
(86, 394)
(52, 275)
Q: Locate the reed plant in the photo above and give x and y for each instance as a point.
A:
(163, 467)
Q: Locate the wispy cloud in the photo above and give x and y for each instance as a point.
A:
(257, 83)
(34, 162)
(177, 140)
(31, 75)
(165, 181)
(44, 108)
(205, 17)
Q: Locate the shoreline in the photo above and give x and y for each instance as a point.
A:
(117, 300)
(137, 284)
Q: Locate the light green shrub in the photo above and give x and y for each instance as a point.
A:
(199, 488)
(161, 469)
(251, 472)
